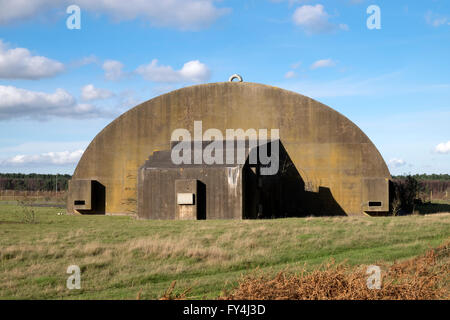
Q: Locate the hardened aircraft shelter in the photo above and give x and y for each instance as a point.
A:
(327, 165)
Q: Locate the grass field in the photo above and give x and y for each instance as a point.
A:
(121, 256)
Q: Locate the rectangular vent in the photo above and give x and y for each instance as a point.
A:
(375, 204)
(79, 202)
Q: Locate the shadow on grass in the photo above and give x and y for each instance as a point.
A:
(430, 208)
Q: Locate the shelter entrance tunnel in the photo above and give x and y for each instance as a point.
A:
(227, 191)
(89, 196)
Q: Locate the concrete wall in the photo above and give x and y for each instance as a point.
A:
(87, 196)
(328, 150)
(157, 197)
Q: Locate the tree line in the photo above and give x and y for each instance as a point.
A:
(34, 181)
(409, 191)
(425, 177)
(47, 182)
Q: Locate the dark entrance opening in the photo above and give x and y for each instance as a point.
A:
(283, 195)
(98, 199)
(201, 201)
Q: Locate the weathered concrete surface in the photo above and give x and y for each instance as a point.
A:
(81, 193)
(217, 188)
(232, 190)
(186, 196)
(87, 196)
(328, 150)
(158, 200)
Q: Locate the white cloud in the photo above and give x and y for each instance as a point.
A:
(11, 11)
(296, 65)
(49, 158)
(290, 74)
(84, 61)
(314, 19)
(42, 146)
(436, 20)
(89, 92)
(396, 163)
(344, 27)
(325, 63)
(443, 147)
(22, 103)
(18, 63)
(181, 14)
(192, 71)
(113, 69)
(128, 99)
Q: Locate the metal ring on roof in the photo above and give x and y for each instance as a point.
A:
(235, 76)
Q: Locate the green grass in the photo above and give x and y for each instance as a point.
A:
(119, 256)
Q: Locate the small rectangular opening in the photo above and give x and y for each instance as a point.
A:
(375, 204)
(79, 202)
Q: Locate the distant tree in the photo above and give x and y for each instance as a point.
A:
(421, 177)
(33, 181)
(406, 192)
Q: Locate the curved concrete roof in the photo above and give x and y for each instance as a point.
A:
(327, 149)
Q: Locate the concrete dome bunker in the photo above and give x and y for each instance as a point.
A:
(334, 168)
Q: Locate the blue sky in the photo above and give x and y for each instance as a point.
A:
(60, 87)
